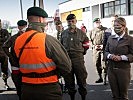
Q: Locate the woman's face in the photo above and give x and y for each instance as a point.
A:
(118, 28)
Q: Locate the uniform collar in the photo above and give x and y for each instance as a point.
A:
(121, 36)
(124, 36)
(75, 30)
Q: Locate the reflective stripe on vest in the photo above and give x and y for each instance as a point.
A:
(38, 68)
(35, 66)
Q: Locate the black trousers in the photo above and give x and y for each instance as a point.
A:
(4, 67)
(17, 79)
(4, 64)
(41, 92)
(79, 72)
(119, 80)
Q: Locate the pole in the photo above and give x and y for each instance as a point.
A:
(34, 3)
(41, 5)
(21, 6)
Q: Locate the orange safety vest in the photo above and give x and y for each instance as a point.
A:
(35, 66)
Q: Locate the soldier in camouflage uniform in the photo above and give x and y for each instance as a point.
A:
(4, 35)
(9, 44)
(76, 43)
(96, 36)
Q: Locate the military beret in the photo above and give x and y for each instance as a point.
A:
(36, 11)
(58, 22)
(21, 23)
(70, 16)
(96, 19)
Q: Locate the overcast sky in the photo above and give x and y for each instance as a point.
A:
(10, 9)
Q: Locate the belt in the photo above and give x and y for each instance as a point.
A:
(39, 75)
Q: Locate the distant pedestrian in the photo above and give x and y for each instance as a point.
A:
(4, 35)
(76, 43)
(83, 28)
(41, 57)
(96, 36)
(9, 44)
(119, 54)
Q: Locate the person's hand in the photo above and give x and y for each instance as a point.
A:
(116, 58)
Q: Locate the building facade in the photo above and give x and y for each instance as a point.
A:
(87, 10)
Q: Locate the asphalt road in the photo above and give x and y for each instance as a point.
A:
(95, 91)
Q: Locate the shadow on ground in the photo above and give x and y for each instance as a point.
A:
(8, 97)
(95, 92)
(99, 92)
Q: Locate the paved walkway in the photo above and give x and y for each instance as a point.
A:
(95, 91)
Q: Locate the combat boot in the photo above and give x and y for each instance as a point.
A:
(83, 97)
(72, 94)
(4, 77)
(72, 97)
(7, 87)
(100, 80)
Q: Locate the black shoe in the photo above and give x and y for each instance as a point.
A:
(105, 83)
(8, 88)
(100, 80)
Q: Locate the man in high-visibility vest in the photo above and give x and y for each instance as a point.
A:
(41, 57)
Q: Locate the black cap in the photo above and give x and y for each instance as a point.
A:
(21, 23)
(36, 11)
(96, 19)
(70, 17)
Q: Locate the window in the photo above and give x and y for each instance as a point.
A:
(123, 1)
(120, 7)
(131, 32)
(106, 12)
(117, 7)
(117, 10)
(131, 7)
(108, 9)
(123, 9)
